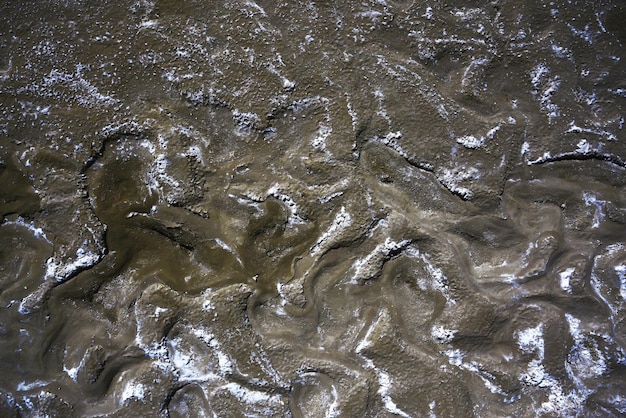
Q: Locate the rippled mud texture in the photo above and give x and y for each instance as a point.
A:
(375, 208)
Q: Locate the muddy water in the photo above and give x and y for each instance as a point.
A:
(312, 209)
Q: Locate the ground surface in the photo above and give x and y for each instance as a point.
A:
(317, 209)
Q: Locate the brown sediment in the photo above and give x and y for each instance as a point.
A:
(316, 209)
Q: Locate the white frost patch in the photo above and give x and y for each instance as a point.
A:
(228, 248)
(598, 285)
(260, 358)
(366, 268)
(287, 84)
(470, 141)
(384, 380)
(455, 358)
(352, 113)
(85, 93)
(583, 147)
(245, 122)
(23, 386)
(300, 105)
(431, 409)
(525, 148)
(207, 304)
(438, 281)
(157, 175)
(33, 111)
(161, 163)
(564, 279)
(250, 396)
(620, 270)
(619, 402)
(148, 145)
(613, 249)
(391, 140)
(536, 375)
(531, 340)
(37, 232)
(618, 92)
(250, 201)
(342, 221)
(442, 335)
(373, 15)
(323, 133)
(582, 33)
(60, 271)
(451, 177)
(382, 111)
(194, 151)
(294, 217)
(72, 372)
(224, 361)
(544, 87)
(465, 81)
(155, 351)
(328, 198)
(585, 360)
(365, 342)
(133, 391)
(325, 129)
(573, 128)
(255, 7)
(188, 367)
(280, 310)
(56, 270)
(158, 311)
(561, 52)
(537, 74)
(591, 200)
(149, 24)
(384, 387)
(333, 409)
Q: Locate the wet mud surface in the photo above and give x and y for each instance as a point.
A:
(312, 209)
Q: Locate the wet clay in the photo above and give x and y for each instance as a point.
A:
(312, 209)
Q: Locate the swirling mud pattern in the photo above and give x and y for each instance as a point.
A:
(328, 208)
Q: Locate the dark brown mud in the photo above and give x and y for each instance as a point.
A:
(317, 209)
